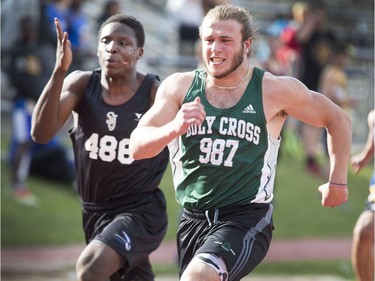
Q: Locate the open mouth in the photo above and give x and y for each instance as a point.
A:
(110, 60)
(217, 60)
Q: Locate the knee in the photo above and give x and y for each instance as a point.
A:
(205, 267)
(87, 271)
(364, 229)
(196, 273)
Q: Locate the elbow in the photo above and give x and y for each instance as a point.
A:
(136, 156)
(134, 150)
(137, 152)
(342, 119)
(38, 137)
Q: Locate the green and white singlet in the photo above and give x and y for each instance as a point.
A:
(228, 160)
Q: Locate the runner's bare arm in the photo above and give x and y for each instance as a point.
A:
(167, 119)
(286, 94)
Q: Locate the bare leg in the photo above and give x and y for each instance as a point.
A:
(311, 137)
(98, 262)
(20, 167)
(363, 247)
(198, 271)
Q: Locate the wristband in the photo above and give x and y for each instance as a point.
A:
(339, 185)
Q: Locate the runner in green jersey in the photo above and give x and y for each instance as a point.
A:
(218, 151)
(222, 126)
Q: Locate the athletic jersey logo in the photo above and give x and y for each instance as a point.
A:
(124, 240)
(138, 116)
(226, 246)
(249, 109)
(111, 120)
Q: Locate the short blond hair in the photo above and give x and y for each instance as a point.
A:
(237, 13)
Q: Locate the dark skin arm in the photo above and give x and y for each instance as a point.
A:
(61, 95)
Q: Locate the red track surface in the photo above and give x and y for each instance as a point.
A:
(60, 258)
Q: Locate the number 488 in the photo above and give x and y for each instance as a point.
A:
(108, 149)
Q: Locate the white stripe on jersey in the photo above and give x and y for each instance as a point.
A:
(265, 190)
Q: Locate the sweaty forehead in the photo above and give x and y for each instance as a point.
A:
(226, 28)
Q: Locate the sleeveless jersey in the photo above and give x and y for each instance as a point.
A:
(107, 176)
(228, 160)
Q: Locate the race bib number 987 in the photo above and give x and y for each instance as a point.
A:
(213, 151)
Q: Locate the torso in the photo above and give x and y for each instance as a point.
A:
(106, 172)
(229, 149)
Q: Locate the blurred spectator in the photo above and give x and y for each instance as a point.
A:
(363, 233)
(316, 42)
(11, 14)
(209, 4)
(110, 8)
(29, 68)
(189, 15)
(296, 31)
(51, 9)
(280, 60)
(198, 53)
(333, 80)
(74, 21)
(78, 30)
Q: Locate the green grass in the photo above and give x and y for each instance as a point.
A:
(57, 220)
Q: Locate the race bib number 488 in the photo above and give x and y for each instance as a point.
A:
(108, 149)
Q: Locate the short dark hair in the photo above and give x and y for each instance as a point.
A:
(130, 21)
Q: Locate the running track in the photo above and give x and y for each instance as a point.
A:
(60, 258)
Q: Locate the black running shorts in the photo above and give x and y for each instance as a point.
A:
(134, 233)
(240, 235)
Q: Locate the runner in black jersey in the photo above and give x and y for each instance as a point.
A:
(124, 211)
(222, 125)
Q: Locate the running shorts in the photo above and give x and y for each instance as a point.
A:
(240, 235)
(134, 232)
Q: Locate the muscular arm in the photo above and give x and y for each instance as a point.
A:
(167, 118)
(288, 95)
(56, 103)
